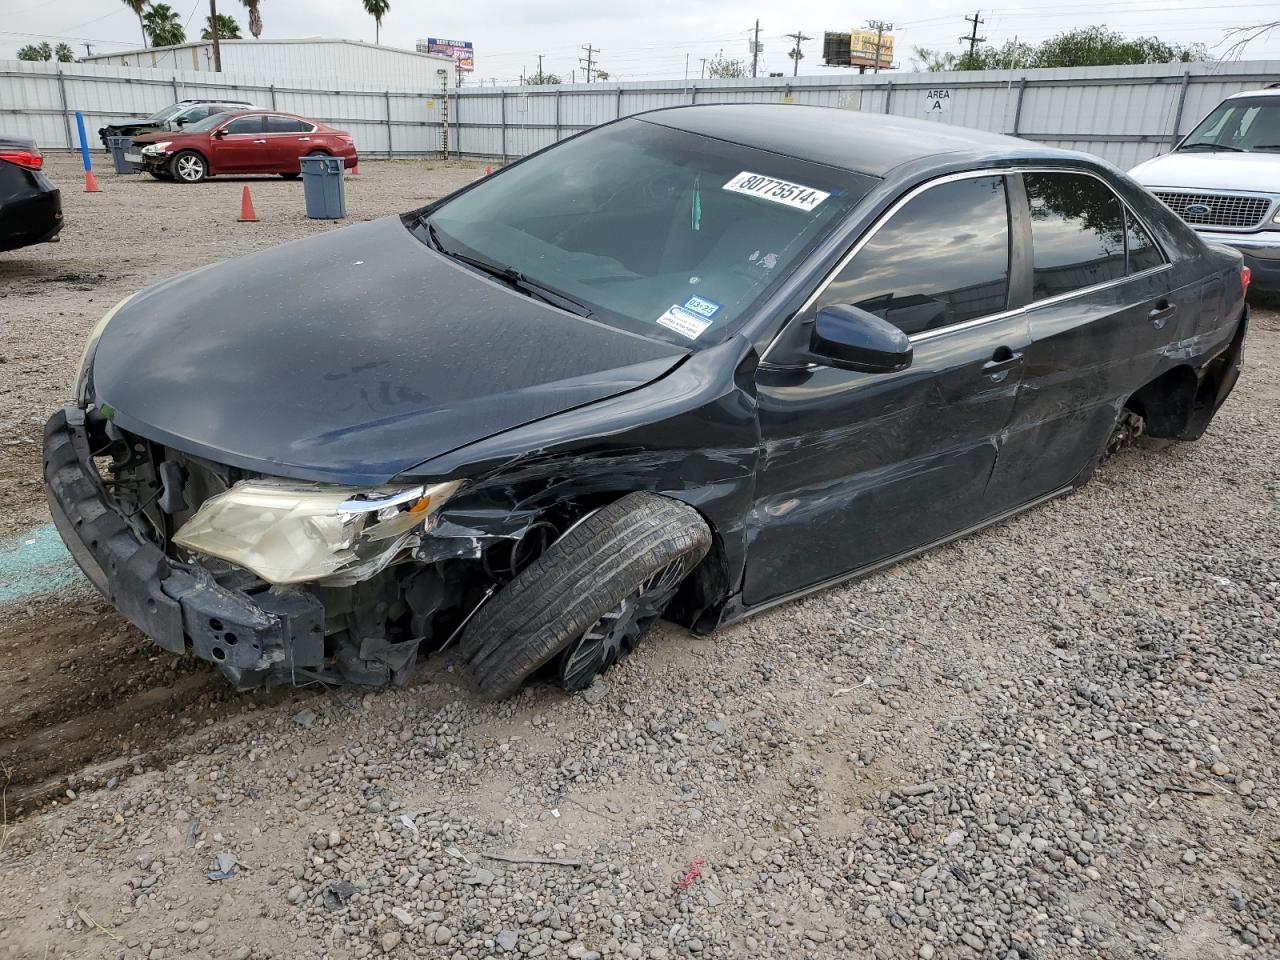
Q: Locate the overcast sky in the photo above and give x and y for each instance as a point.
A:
(646, 40)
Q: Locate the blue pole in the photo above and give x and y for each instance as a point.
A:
(84, 143)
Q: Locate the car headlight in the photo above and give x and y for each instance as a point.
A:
(153, 149)
(287, 531)
(81, 385)
(1276, 218)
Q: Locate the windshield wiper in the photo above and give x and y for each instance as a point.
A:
(1267, 146)
(511, 276)
(1210, 146)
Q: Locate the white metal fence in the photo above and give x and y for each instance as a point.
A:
(1125, 114)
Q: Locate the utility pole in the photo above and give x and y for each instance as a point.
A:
(589, 59)
(755, 47)
(88, 50)
(213, 28)
(879, 26)
(539, 68)
(796, 53)
(973, 39)
(686, 66)
(702, 70)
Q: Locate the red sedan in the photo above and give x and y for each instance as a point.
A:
(261, 141)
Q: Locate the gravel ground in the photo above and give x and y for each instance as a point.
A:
(1057, 738)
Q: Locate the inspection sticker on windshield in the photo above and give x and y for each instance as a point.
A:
(702, 306)
(684, 322)
(779, 191)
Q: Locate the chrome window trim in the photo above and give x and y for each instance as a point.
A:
(914, 192)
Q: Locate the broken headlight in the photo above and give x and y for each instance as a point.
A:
(287, 531)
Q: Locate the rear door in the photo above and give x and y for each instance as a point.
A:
(1103, 322)
(859, 468)
(242, 147)
(288, 139)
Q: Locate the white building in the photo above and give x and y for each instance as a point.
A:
(347, 64)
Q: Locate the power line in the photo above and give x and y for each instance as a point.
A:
(879, 26)
(973, 39)
(589, 60)
(796, 54)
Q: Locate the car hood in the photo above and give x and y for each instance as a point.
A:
(155, 137)
(351, 357)
(1258, 172)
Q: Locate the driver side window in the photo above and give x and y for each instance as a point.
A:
(244, 125)
(942, 259)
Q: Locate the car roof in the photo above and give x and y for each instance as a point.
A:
(1271, 90)
(869, 143)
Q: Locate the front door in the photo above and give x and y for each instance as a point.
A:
(288, 140)
(859, 468)
(241, 146)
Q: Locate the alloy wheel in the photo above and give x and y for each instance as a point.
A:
(190, 168)
(619, 630)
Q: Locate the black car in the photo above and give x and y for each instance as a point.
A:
(173, 117)
(690, 363)
(30, 206)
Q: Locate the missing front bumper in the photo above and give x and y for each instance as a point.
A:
(265, 638)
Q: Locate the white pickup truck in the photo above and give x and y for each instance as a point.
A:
(1223, 179)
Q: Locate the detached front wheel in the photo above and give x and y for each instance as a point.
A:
(590, 598)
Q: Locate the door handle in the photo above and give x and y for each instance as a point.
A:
(305, 139)
(259, 141)
(1161, 313)
(1003, 359)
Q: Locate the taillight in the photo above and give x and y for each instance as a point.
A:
(31, 159)
(1246, 274)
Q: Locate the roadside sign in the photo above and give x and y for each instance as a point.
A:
(937, 101)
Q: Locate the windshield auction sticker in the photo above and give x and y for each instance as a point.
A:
(684, 322)
(779, 191)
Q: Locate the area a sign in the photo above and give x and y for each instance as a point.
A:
(937, 101)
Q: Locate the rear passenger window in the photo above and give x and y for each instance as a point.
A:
(1143, 252)
(1077, 233)
(285, 125)
(942, 259)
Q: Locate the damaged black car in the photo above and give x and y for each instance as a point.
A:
(688, 364)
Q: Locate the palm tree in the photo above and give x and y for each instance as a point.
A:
(138, 6)
(164, 25)
(64, 54)
(255, 18)
(377, 9)
(228, 29)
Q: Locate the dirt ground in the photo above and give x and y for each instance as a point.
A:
(1142, 609)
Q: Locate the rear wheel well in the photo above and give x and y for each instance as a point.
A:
(1165, 404)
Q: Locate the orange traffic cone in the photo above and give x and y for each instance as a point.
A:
(488, 169)
(246, 207)
(90, 182)
(355, 168)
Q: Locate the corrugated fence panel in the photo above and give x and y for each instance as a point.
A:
(1124, 114)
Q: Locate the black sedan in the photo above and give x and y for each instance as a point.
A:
(691, 363)
(30, 206)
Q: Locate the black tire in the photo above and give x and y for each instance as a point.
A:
(187, 166)
(590, 571)
(290, 176)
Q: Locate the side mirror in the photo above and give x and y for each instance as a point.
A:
(853, 339)
(219, 133)
(180, 121)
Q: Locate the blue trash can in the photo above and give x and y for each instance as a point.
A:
(324, 187)
(119, 146)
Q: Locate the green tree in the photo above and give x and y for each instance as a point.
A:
(36, 51)
(164, 26)
(255, 17)
(228, 29)
(540, 78)
(377, 9)
(722, 67)
(64, 54)
(1087, 47)
(139, 7)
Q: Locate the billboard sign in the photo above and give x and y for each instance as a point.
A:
(862, 48)
(461, 51)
